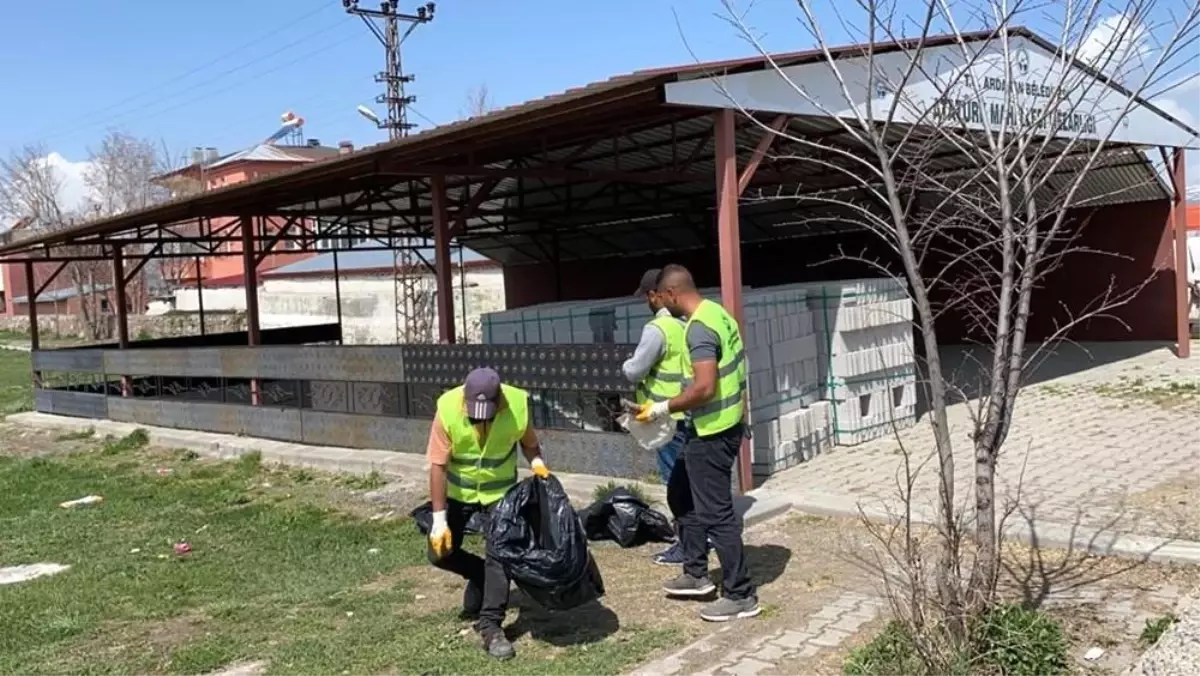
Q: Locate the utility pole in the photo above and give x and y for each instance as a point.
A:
(414, 306)
(384, 23)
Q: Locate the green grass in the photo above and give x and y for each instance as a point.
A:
(80, 435)
(16, 382)
(1155, 628)
(275, 575)
(600, 493)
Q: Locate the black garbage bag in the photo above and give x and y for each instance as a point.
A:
(538, 538)
(623, 517)
(423, 518)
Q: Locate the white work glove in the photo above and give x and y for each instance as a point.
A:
(652, 411)
(440, 540)
(539, 468)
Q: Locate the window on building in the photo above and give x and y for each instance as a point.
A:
(333, 235)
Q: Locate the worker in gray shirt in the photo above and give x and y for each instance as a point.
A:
(656, 370)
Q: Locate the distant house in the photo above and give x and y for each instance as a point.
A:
(211, 171)
(61, 295)
(304, 293)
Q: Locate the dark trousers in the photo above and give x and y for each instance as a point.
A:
(487, 585)
(700, 496)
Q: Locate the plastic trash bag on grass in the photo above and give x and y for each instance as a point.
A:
(538, 538)
(626, 519)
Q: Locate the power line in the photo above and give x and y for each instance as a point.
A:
(208, 95)
(423, 116)
(322, 6)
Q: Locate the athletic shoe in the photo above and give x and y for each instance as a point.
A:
(726, 609)
(671, 556)
(497, 644)
(686, 585)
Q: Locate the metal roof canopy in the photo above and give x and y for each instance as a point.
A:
(620, 167)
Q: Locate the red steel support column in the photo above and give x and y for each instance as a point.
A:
(441, 247)
(729, 243)
(31, 294)
(250, 267)
(1179, 221)
(122, 308)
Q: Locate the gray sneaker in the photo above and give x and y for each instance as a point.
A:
(726, 609)
(686, 585)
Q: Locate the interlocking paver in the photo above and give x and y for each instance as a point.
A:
(1077, 449)
(792, 640)
(747, 666)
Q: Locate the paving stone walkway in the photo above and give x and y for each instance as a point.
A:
(826, 629)
(1108, 439)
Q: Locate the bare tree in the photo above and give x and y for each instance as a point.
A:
(1026, 121)
(32, 192)
(120, 178)
(479, 102)
(176, 268)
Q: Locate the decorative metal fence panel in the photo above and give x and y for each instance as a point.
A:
(358, 397)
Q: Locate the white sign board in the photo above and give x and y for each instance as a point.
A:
(982, 89)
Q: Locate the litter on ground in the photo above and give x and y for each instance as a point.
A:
(15, 574)
(86, 500)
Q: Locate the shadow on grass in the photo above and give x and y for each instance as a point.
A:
(590, 623)
(765, 562)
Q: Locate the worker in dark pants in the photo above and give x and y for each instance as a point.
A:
(472, 457)
(656, 370)
(715, 395)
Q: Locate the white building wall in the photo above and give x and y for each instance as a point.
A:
(368, 303)
(224, 299)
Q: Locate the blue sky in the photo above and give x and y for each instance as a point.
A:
(112, 64)
(220, 72)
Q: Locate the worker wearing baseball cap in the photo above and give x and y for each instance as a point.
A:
(656, 370)
(472, 457)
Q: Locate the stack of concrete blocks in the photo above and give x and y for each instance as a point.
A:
(829, 363)
(868, 364)
(782, 361)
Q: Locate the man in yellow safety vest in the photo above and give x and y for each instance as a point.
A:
(656, 370)
(472, 457)
(714, 394)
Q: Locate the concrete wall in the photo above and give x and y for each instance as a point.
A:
(229, 299)
(1132, 244)
(368, 303)
(140, 326)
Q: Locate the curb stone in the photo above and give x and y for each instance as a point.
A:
(755, 507)
(1045, 534)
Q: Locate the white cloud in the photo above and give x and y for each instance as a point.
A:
(1183, 104)
(1115, 46)
(73, 192)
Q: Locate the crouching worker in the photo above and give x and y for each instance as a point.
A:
(472, 457)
